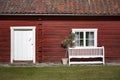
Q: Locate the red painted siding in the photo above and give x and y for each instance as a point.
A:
(52, 30)
(56, 30)
(5, 37)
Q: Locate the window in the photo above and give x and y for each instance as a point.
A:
(85, 37)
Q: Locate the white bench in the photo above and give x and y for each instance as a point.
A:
(86, 52)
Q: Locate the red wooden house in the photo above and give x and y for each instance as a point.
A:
(32, 30)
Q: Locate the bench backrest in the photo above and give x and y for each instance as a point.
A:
(94, 51)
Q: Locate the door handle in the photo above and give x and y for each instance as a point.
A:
(29, 39)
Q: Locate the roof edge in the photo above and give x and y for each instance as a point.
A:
(59, 14)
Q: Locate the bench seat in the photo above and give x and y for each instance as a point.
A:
(94, 52)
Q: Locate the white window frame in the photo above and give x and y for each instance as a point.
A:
(84, 30)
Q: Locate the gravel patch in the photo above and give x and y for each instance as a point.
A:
(48, 64)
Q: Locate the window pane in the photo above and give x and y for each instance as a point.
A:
(90, 35)
(89, 42)
(87, 35)
(77, 42)
(81, 35)
(89, 38)
(81, 38)
(81, 42)
(76, 35)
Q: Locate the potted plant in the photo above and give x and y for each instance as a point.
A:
(68, 42)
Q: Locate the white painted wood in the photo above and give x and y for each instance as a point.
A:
(89, 62)
(103, 55)
(87, 56)
(23, 43)
(23, 49)
(86, 47)
(86, 52)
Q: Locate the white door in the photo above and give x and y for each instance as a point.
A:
(23, 44)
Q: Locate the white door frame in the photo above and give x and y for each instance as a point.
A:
(12, 40)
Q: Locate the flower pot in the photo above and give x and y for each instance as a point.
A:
(64, 61)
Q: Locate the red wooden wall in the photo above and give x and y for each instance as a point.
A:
(55, 30)
(52, 30)
(5, 36)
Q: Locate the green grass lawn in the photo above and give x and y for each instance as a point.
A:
(61, 73)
